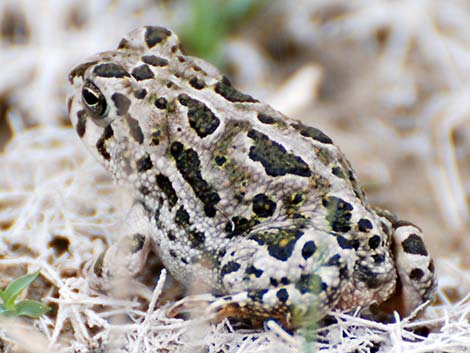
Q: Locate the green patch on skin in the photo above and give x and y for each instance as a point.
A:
(232, 130)
(312, 132)
(338, 213)
(323, 155)
(280, 242)
(225, 89)
(237, 176)
(240, 225)
(338, 171)
(274, 157)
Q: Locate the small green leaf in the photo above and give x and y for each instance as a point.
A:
(31, 308)
(7, 312)
(2, 295)
(14, 288)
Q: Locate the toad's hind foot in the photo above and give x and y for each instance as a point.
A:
(256, 306)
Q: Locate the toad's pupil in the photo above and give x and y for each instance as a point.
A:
(89, 97)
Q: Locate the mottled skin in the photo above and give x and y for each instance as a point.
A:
(262, 211)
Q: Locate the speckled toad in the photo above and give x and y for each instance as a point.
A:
(264, 211)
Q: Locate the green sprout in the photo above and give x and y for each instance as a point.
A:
(30, 308)
(211, 21)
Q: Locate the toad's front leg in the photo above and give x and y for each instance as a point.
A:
(115, 269)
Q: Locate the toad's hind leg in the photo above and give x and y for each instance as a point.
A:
(290, 282)
(285, 304)
(256, 306)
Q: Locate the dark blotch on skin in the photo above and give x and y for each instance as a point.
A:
(239, 225)
(314, 133)
(171, 236)
(123, 44)
(274, 157)
(431, 266)
(280, 244)
(165, 186)
(110, 70)
(98, 266)
(414, 245)
(155, 138)
(338, 172)
(144, 164)
(100, 144)
(263, 206)
(135, 130)
(154, 60)
(346, 243)
(225, 89)
(255, 271)
(366, 275)
(257, 295)
(364, 225)
(80, 70)
(182, 217)
(282, 295)
(189, 165)
(229, 267)
(308, 249)
(339, 213)
(121, 102)
(416, 274)
(296, 198)
(142, 72)
(200, 117)
(378, 258)
(140, 93)
(281, 252)
(374, 241)
(154, 35)
(266, 119)
(196, 238)
(334, 261)
(139, 241)
(144, 190)
(197, 83)
(161, 103)
(220, 160)
(81, 123)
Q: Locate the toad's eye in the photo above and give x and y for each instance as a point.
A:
(94, 100)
